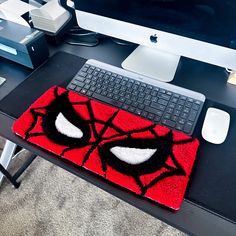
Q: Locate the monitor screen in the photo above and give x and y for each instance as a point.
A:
(212, 21)
(203, 30)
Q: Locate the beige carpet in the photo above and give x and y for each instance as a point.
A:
(51, 201)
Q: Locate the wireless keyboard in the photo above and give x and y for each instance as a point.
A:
(166, 104)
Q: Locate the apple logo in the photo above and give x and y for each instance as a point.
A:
(153, 38)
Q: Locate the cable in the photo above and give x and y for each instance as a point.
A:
(121, 42)
(81, 37)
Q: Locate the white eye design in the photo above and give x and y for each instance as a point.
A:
(65, 127)
(132, 155)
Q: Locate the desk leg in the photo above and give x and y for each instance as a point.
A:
(9, 177)
(25, 165)
(7, 154)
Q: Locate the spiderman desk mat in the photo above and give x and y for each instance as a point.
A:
(148, 159)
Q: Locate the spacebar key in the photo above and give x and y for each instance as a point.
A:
(107, 100)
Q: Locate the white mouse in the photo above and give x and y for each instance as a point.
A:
(215, 126)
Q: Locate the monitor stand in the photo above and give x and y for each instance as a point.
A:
(152, 63)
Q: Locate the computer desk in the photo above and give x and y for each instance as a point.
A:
(215, 214)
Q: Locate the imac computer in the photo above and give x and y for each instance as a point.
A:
(204, 30)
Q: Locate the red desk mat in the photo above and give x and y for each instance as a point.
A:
(146, 158)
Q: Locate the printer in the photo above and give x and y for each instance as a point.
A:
(22, 44)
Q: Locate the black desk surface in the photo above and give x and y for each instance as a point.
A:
(209, 207)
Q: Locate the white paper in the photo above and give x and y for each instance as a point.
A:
(14, 18)
(12, 10)
(16, 7)
(51, 10)
(50, 17)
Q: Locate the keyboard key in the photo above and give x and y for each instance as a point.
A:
(154, 111)
(87, 86)
(138, 112)
(188, 104)
(192, 115)
(95, 73)
(157, 106)
(109, 95)
(174, 118)
(89, 76)
(92, 88)
(162, 102)
(195, 106)
(133, 98)
(107, 100)
(176, 113)
(190, 100)
(144, 114)
(89, 93)
(172, 105)
(77, 89)
(98, 90)
(134, 104)
(141, 106)
(122, 99)
(72, 86)
(154, 93)
(157, 118)
(125, 106)
(179, 127)
(179, 107)
(181, 121)
(188, 127)
(83, 91)
(147, 102)
(186, 110)
(181, 102)
(174, 100)
(164, 96)
(150, 116)
(116, 97)
(83, 74)
(82, 79)
(104, 93)
(184, 115)
(78, 83)
(168, 123)
(84, 69)
(167, 116)
(131, 109)
(169, 110)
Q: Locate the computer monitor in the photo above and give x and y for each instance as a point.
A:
(204, 30)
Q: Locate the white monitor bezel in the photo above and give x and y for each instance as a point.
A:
(171, 43)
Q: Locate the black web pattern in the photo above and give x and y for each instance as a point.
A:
(164, 144)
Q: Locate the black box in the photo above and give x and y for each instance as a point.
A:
(22, 44)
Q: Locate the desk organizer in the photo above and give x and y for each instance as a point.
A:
(148, 159)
